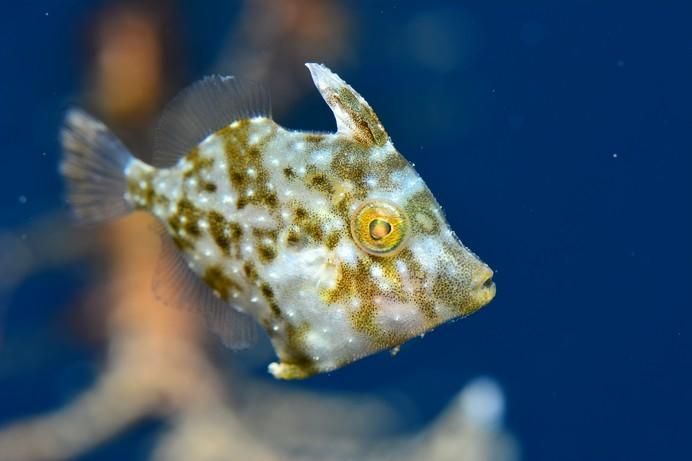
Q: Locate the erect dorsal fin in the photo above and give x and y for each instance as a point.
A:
(354, 116)
(203, 108)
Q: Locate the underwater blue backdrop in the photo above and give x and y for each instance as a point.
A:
(558, 138)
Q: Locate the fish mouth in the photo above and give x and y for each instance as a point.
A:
(483, 287)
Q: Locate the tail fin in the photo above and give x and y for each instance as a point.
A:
(94, 163)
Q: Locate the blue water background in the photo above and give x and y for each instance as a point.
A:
(558, 142)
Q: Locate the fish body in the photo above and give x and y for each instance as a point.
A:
(330, 241)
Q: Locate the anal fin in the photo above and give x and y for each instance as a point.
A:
(175, 284)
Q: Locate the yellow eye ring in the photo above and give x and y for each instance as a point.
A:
(379, 228)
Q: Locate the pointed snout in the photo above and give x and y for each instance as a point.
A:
(482, 287)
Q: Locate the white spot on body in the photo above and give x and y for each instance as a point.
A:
(426, 250)
(377, 154)
(401, 266)
(347, 252)
(321, 157)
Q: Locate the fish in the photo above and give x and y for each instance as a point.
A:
(331, 242)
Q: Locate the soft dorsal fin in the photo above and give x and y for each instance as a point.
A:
(354, 116)
(203, 108)
(177, 285)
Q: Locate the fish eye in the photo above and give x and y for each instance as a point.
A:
(379, 228)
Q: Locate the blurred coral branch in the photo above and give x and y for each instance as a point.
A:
(156, 365)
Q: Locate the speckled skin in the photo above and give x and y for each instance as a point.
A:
(263, 215)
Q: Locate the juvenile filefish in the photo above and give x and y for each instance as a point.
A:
(330, 241)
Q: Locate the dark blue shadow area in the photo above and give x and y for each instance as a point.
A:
(137, 443)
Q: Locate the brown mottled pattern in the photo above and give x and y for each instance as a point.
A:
(420, 211)
(140, 190)
(357, 283)
(223, 286)
(184, 224)
(222, 232)
(350, 164)
(368, 129)
(243, 157)
(299, 363)
(197, 163)
(259, 206)
(351, 161)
